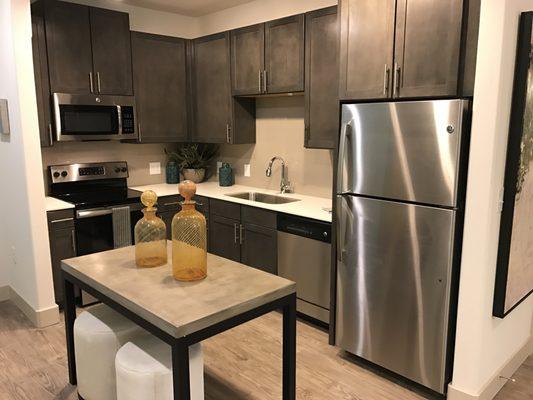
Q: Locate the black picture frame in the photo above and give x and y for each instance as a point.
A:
(518, 108)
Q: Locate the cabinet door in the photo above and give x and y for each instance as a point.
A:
(284, 55)
(211, 88)
(68, 36)
(247, 60)
(321, 78)
(428, 42)
(167, 217)
(110, 33)
(40, 69)
(224, 237)
(160, 87)
(366, 48)
(259, 247)
(62, 246)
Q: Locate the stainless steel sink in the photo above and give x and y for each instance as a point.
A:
(263, 197)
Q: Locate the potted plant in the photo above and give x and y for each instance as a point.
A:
(172, 167)
(194, 159)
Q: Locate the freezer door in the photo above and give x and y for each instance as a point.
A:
(393, 283)
(405, 151)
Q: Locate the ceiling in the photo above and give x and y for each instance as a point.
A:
(194, 8)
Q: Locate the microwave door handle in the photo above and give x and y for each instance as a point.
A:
(119, 116)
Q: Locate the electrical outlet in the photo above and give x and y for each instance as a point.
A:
(219, 165)
(155, 168)
(247, 170)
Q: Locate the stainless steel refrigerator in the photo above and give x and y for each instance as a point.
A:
(399, 186)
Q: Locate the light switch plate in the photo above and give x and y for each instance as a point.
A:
(219, 165)
(4, 118)
(155, 168)
(247, 170)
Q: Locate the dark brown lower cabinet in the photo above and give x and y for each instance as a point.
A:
(224, 237)
(62, 235)
(259, 247)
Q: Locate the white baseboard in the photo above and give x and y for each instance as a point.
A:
(39, 318)
(495, 383)
(5, 293)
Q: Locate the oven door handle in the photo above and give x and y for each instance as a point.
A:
(99, 212)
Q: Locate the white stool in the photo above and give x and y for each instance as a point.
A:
(144, 370)
(99, 333)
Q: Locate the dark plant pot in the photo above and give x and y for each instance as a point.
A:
(173, 172)
(195, 175)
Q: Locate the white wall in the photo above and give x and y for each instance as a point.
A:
(24, 253)
(485, 344)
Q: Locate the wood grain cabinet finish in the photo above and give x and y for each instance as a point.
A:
(218, 117)
(366, 48)
(68, 37)
(428, 45)
(111, 47)
(88, 48)
(284, 55)
(62, 236)
(321, 78)
(161, 93)
(224, 237)
(259, 248)
(247, 60)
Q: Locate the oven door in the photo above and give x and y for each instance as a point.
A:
(92, 117)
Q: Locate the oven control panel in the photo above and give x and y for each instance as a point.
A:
(88, 171)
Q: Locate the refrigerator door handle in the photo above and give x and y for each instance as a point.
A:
(346, 134)
(341, 229)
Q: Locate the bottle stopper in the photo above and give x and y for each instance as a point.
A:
(187, 190)
(149, 198)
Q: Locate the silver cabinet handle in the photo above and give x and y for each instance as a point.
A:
(119, 116)
(260, 79)
(50, 134)
(139, 132)
(98, 82)
(265, 80)
(73, 240)
(235, 233)
(228, 133)
(397, 76)
(91, 82)
(241, 235)
(57, 221)
(386, 78)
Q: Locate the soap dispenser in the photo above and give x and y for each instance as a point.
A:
(150, 235)
(189, 238)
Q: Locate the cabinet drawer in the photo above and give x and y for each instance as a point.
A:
(169, 203)
(258, 216)
(225, 209)
(60, 219)
(202, 204)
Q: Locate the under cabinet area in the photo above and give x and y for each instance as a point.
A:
(62, 234)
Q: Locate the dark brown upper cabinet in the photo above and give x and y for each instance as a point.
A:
(405, 48)
(268, 58)
(217, 116)
(89, 49)
(321, 78)
(366, 48)
(161, 93)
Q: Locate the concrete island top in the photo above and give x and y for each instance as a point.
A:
(178, 308)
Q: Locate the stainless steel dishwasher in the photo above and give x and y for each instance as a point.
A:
(304, 256)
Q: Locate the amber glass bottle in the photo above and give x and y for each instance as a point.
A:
(150, 235)
(189, 238)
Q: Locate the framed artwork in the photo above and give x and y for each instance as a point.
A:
(514, 274)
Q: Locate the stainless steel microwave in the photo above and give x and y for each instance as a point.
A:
(80, 117)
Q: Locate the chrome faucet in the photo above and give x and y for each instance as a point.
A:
(285, 185)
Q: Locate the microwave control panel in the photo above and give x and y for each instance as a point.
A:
(128, 120)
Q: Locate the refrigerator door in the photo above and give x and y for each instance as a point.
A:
(394, 265)
(404, 151)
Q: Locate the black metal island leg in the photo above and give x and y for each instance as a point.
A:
(180, 371)
(70, 317)
(289, 349)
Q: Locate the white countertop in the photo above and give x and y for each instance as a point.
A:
(308, 206)
(53, 204)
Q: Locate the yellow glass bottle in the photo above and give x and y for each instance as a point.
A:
(189, 238)
(150, 235)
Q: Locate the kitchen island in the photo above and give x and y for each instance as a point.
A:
(182, 313)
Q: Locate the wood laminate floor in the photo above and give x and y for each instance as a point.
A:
(243, 363)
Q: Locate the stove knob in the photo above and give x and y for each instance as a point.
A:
(124, 169)
(57, 174)
(117, 170)
(64, 174)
